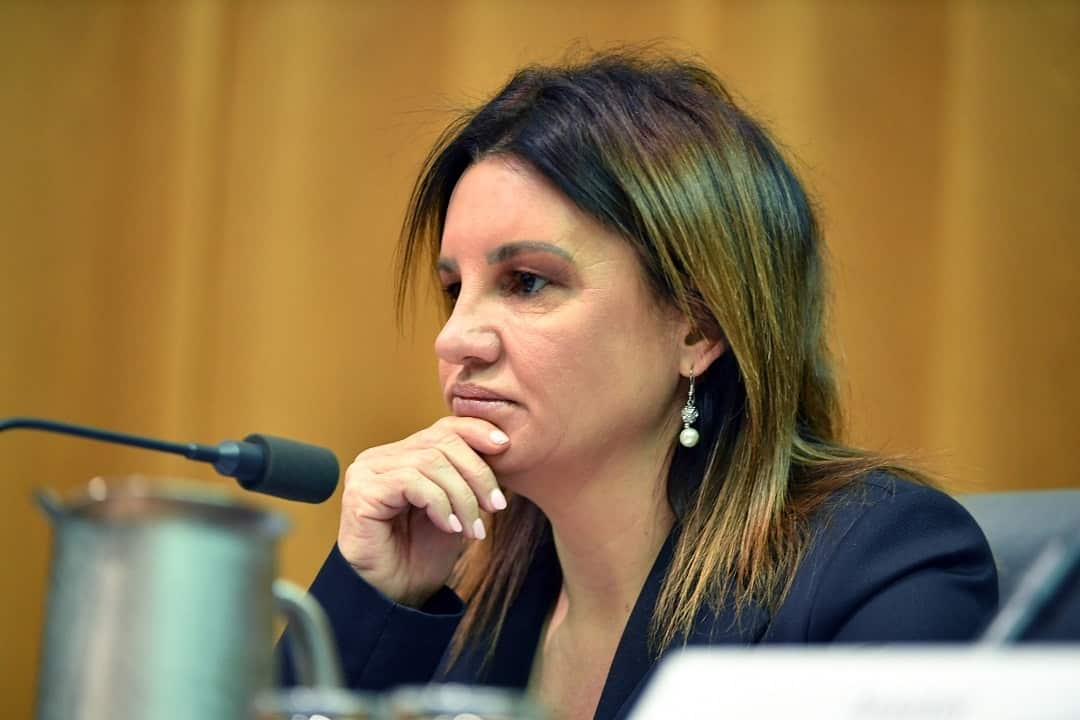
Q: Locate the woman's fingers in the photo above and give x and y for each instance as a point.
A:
(481, 435)
(420, 492)
(447, 454)
(470, 466)
(404, 502)
(440, 472)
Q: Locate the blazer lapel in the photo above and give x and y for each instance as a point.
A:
(511, 662)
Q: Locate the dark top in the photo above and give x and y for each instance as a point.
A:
(890, 561)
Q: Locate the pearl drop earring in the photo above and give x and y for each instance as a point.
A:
(689, 437)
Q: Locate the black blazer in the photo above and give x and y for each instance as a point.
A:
(890, 561)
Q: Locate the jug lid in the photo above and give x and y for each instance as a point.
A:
(140, 498)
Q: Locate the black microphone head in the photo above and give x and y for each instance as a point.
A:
(292, 470)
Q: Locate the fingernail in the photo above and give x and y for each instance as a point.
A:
(478, 529)
(455, 524)
(499, 437)
(498, 500)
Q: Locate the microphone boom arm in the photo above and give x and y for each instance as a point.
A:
(262, 463)
(192, 451)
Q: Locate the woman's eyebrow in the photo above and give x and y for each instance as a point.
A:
(507, 251)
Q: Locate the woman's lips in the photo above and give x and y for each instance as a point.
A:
(468, 391)
(479, 407)
(467, 400)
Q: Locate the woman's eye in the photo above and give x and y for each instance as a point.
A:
(452, 290)
(525, 283)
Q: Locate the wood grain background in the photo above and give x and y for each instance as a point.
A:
(199, 203)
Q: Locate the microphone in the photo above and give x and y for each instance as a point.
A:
(262, 463)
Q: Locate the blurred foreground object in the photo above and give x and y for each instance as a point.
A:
(160, 605)
(427, 702)
(436, 702)
(876, 683)
(317, 704)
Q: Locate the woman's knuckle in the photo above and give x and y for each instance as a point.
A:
(427, 457)
(431, 435)
(356, 473)
(371, 452)
(443, 425)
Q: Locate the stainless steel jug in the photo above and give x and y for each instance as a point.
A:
(160, 605)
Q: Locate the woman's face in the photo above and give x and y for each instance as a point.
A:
(554, 336)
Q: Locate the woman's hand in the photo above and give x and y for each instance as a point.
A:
(407, 505)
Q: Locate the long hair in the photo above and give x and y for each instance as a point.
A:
(657, 150)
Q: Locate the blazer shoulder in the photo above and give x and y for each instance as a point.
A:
(891, 559)
(886, 499)
(880, 491)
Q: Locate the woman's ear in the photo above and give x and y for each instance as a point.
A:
(700, 349)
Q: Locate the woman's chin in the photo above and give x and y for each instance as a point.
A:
(512, 470)
(505, 463)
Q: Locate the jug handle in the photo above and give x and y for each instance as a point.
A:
(316, 657)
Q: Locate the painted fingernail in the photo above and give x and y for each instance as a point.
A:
(499, 437)
(478, 529)
(498, 500)
(455, 524)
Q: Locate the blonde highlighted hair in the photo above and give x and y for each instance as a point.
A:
(656, 149)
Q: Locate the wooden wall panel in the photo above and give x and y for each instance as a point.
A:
(199, 203)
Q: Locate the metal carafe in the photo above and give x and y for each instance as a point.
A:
(160, 605)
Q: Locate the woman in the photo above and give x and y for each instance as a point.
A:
(643, 443)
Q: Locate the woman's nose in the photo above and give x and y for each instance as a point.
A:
(467, 338)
